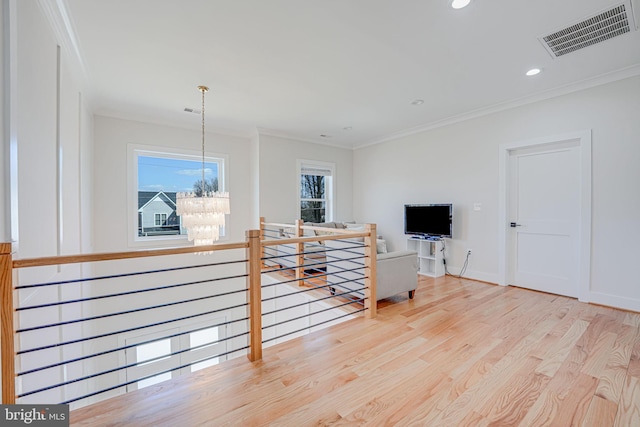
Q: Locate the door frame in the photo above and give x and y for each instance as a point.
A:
(584, 236)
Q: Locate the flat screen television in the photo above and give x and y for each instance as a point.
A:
(434, 220)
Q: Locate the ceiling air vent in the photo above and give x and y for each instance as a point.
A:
(612, 22)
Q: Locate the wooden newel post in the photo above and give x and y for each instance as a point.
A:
(370, 254)
(255, 295)
(7, 327)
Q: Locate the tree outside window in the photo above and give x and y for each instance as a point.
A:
(313, 207)
(315, 192)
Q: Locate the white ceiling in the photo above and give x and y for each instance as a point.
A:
(305, 68)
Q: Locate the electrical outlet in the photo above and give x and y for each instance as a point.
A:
(468, 251)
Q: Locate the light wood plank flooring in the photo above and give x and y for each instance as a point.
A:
(461, 353)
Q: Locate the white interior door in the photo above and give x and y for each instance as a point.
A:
(544, 218)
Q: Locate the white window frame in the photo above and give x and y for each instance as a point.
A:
(147, 368)
(178, 343)
(134, 151)
(330, 188)
(162, 217)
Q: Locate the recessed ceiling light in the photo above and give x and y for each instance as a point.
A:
(533, 71)
(417, 102)
(459, 4)
(347, 128)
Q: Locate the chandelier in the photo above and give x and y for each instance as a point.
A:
(203, 214)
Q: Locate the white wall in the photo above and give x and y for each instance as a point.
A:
(279, 177)
(37, 127)
(459, 164)
(53, 135)
(255, 184)
(110, 188)
(4, 144)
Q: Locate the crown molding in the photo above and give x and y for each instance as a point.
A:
(56, 13)
(284, 135)
(589, 83)
(164, 121)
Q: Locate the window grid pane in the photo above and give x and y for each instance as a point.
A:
(313, 197)
(206, 336)
(152, 350)
(312, 187)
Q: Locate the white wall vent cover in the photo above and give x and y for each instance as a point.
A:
(610, 23)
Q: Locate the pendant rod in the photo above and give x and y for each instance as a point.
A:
(203, 89)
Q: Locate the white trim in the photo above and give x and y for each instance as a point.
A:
(584, 144)
(589, 83)
(59, 158)
(177, 343)
(482, 276)
(170, 120)
(10, 64)
(158, 216)
(625, 303)
(135, 150)
(56, 13)
(297, 138)
(330, 188)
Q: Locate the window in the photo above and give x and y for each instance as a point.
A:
(153, 350)
(160, 219)
(316, 191)
(200, 343)
(157, 177)
(194, 344)
(151, 356)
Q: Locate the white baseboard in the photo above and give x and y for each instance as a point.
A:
(474, 274)
(631, 304)
(616, 301)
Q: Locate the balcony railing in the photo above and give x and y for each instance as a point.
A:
(81, 328)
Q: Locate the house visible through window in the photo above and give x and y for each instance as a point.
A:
(160, 176)
(316, 191)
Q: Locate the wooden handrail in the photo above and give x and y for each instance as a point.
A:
(277, 224)
(329, 230)
(7, 326)
(309, 227)
(109, 256)
(277, 242)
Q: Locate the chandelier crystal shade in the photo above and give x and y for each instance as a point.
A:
(203, 214)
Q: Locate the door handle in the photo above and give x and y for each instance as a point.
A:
(514, 225)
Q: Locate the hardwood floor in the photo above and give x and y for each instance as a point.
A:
(461, 353)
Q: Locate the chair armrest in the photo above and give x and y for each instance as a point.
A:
(396, 254)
